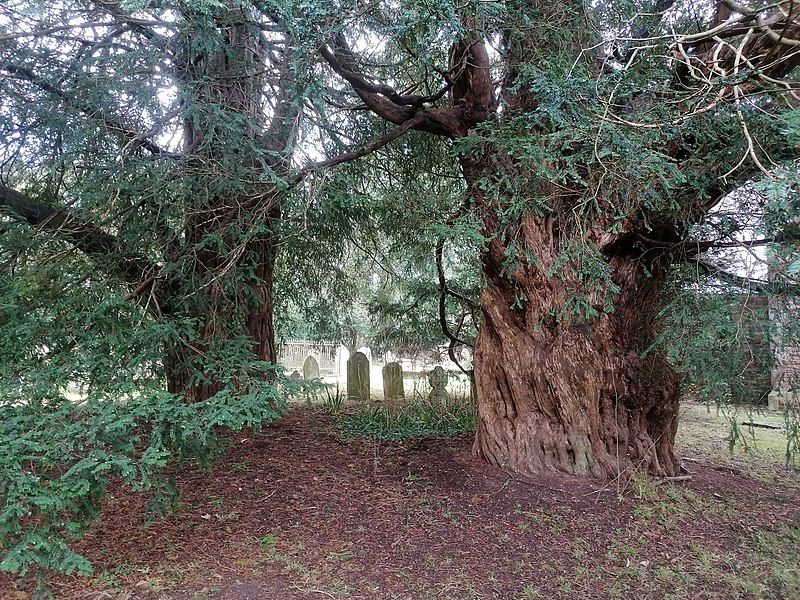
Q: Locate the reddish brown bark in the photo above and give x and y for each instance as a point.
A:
(562, 389)
(579, 396)
(229, 277)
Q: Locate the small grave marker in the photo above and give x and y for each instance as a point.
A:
(438, 379)
(310, 368)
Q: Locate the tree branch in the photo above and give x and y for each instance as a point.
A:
(342, 61)
(756, 285)
(83, 235)
(443, 289)
(140, 26)
(136, 139)
(702, 246)
(369, 148)
(386, 102)
(453, 340)
(770, 47)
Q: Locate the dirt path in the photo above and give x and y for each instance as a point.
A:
(291, 512)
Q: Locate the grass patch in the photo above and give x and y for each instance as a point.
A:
(763, 565)
(418, 419)
(720, 432)
(268, 540)
(333, 400)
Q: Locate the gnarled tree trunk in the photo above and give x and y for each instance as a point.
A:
(563, 393)
(565, 376)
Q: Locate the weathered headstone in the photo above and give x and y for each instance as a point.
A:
(295, 376)
(358, 377)
(393, 381)
(438, 380)
(310, 368)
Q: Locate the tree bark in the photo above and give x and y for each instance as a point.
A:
(229, 276)
(580, 396)
(566, 377)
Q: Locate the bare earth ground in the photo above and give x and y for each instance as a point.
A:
(293, 512)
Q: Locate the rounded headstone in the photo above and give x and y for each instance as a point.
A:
(393, 381)
(310, 368)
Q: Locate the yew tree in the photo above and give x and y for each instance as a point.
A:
(592, 138)
(155, 139)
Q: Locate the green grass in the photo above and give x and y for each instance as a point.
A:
(268, 540)
(333, 400)
(719, 433)
(417, 419)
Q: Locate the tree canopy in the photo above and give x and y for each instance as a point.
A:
(181, 182)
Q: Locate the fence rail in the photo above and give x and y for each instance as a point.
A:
(292, 353)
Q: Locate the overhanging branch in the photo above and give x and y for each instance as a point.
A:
(364, 150)
(135, 139)
(83, 235)
(392, 106)
(750, 283)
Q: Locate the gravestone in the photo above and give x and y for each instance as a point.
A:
(310, 368)
(358, 377)
(393, 381)
(438, 380)
(295, 376)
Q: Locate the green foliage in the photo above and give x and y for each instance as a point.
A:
(417, 419)
(361, 266)
(333, 400)
(718, 340)
(82, 405)
(58, 458)
(587, 148)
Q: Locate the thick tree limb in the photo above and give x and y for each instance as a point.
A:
(702, 246)
(83, 235)
(469, 104)
(351, 73)
(377, 97)
(770, 46)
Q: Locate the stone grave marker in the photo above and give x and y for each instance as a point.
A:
(358, 377)
(438, 380)
(310, 368)
(295, 376)
(393, 381)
